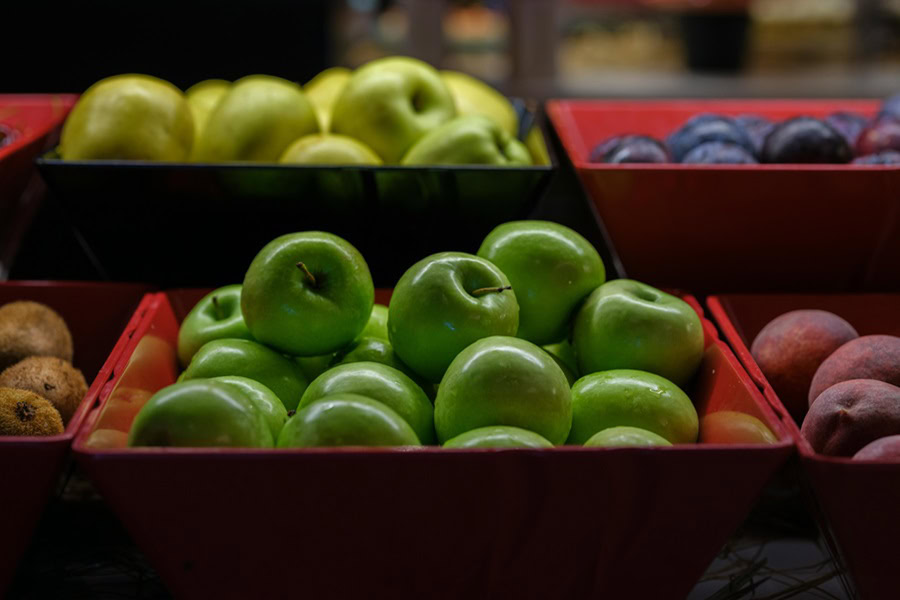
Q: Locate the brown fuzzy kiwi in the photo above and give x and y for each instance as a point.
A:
(32, 329)
(50, 377)
(25, 413)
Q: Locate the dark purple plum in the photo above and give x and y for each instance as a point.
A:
(886, 157)
(630, 149)
(804, 140)
(849, 124)
(707, 128)
(883, 134)
(891, 107)
(756, 127)
(719, 153)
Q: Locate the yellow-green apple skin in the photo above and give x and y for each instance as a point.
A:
(624, 437)
(568, 372)
(216, 316)
(503, 380)
(129, 117)
(256, 120)
(625, 324)
(307, 294)
(264, 400)
(200, 413)
(329, 149)
(474, 97)
(377, 325)
(566, 353)
(537, 147)
(346, 420)
(444, 303)
(203, 97)
(631, 398)
(390, 103)
(313, 366)
(382, 383)
(497, 436)
(551, 268)
(323, 89)
(246, 358)
(470, 140)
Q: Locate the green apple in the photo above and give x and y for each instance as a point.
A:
(246, 358)
(474, 97)
(382, 383)
(622, 437)
(203, 98)
(377, 325)
(442, 304)
(307, 294)
(264, 400)
(379, 350)
(565, 353)
(256, 120)
(498, 436)
(322, 91)
(200, 413)
(627, 397)
(568, 372)
(313, 366)
(216, 316)
(329, 149)
(346, 420)
(551, 268)
(129, 117)
(390, 103)
(471, 140)
(625, 324)
(503, 380)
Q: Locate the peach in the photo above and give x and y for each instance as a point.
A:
(730, 427)
(851, 414)
(867, 357)
(886, 448)
(791, 347)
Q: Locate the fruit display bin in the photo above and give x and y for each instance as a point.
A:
(32, 121)
(791, 228)
(567, 522)
(178, 224)
(859, 501)
(96, 314)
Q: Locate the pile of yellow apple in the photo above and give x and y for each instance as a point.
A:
(394, 110)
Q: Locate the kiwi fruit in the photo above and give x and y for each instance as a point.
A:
(25, 413)
(52, 378)
(32, 329)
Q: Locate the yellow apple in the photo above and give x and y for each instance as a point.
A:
(203, 98)
(329, 149)
(323, 89)
(474, 97)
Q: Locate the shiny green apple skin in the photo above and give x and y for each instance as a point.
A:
(203, 97)
(503, 380)
(246, 358)
(346, 420)
(474, 97)
(552, 270)
(625, 437)
(382, 383)
(627, 397)
(313, 366)
(129, 117)
(216, 316)
(323, 90)
(377, 324)
(256, 120)
(471, 140)
(390, 103)
(264, 400)
(625, 324)
(376, 349)
(329, 149)
(497, 436)
(307, 294)
(433, 314)
(566, 353)
(200, 413)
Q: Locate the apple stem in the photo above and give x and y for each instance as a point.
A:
(306, 272)
(218, 308)
(490, 290)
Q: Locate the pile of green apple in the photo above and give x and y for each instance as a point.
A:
(394, 110)
(523, 345)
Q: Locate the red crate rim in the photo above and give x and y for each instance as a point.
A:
(60, 103)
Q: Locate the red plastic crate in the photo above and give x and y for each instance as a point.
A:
(789, 227)
(859, 500)
(96, 314)
(569, 522)
(34, 119)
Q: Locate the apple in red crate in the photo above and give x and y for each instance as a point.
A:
(886, 448)
(625, 324)
(216, 316)
(867, 357)
(733, 427)
(498, 436)
(263, 399)
(625, 437)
